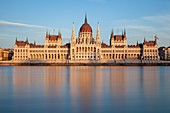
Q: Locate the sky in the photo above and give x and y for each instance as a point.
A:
(31, 19)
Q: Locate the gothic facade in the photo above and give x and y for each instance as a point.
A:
(85, 48)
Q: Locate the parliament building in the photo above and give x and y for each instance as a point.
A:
(85, 48)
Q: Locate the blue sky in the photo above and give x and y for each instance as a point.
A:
(31, 18)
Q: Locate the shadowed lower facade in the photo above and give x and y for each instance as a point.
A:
(85, 48)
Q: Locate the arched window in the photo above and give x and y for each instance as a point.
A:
(94, 49)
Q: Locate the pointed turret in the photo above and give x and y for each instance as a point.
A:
(124, 33)
(27, 40)
(112, 38)
(112, 34)
(16, 40)
(137, 43)
(34, 42)
(46, 33)
(156, 39)
(59, 32)
(144, 41)
(98, 34)
(85, 21)
(73, 35)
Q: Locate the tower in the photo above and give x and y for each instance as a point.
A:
(26, 40)
(124, 33)
(156, 39)
(47, 35)
(112, 38)
(73, 35)
(85, 21)
(98, 34)
(144, 41)
(16, 40)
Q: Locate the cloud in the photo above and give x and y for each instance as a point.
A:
(33, 32)
(160, 19)
(20, 24)
(134, 25)
(146, 26)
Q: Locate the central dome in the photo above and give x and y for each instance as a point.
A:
(85, 27)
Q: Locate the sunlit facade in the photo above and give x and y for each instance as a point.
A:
(85, 48)
(5, 54)
(164, 53)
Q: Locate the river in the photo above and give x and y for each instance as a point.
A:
(84, 89)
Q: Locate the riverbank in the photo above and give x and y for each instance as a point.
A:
(113, 63)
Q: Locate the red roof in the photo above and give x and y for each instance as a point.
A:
(85, 28)
(149, 43)
(36, 46)
(21, 43)
(54, 37)
(119, 46)
(103, 45)
(52, 46)
(118, 37)
(133, 46)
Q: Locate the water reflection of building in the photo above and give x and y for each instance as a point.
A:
(25, 78)
(151, 80)
(118, 80)
(82, 87)
(81, 80)
(21, 79)
(56, 81)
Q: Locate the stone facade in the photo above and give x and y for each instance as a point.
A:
(164, 53)
(85, 48)
(5, 54)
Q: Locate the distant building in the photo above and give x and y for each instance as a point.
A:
(164, 53)
(5, 54)
(85, 48)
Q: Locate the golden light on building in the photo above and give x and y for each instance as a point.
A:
(85, 48)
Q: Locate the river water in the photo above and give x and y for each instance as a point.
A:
(84, 89)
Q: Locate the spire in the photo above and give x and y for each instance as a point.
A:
(27, 40)
(144, 40)
(124, 33)
(137, 43)
(59, 33)
(16, 40)
(85, 18)
(112, 34)
(156, 39)
(98, 33)
(46, 33)
(34, 42)
(73, 35)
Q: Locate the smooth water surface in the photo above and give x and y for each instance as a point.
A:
(79, 89)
